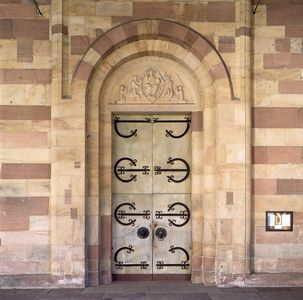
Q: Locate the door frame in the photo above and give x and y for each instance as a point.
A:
(105, 164)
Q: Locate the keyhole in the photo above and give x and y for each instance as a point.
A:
(143, 232)
(161, 233)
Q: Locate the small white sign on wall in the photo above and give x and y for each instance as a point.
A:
(279, 221)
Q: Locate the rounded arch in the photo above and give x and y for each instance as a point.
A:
(120, 44)
(155, 29)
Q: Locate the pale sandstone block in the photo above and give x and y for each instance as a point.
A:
(278, 137)
(260, 45)
(225, 29)
(274, 74)
(12, 94)
(238, 180)
(225, 231)
(73, 233)
(238, 229)
(296, 45)
(76, 29)
(270, 31)
(283, 251)
(25, 140)
(38, 187)
(275, 202)
(204, 28)
(69, 139)
(235, 153)
(265, 264)
(231, 135)
(282, 171)
(209, 182)
(209, 235)
(80, 8)
(41, 48)
(267, 87)
(27, 267)
(258, 61)
(92, 57)
(14, 125)
(240, 117)
(8, 53)
(280, 100)
(15, 238)
(25, 156)
(197, 182)
(44, 62)
(114, 9)
(26, 252)
(13, 188)
(39, 223)
(76, 252)
(260, 16)
(225, 115)
(103, 23)
(37, 94)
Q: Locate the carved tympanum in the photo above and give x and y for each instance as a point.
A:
(152, 85)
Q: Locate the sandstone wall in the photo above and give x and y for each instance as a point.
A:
(278, 132)
(42, 133)
(25, 137)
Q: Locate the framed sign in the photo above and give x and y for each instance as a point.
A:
(279, 221)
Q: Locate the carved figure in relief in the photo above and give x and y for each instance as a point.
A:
(153, 85)
(122, 93)
(179, 93)
(168, 90)
(135, 89)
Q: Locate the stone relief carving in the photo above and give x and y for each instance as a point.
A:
(152, 85)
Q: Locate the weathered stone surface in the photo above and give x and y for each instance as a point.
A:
(25, 171)
(28, 112)
(277, 155)
(291, 87)
(221, 12)
(33, 29)
(112, 9)
(284, 14)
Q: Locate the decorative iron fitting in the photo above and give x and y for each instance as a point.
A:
(121, 170)
(183, 214)
(171, 178)
(170, 133)
(120, 264)
(120, 214)
(132, 132)
(184, 264)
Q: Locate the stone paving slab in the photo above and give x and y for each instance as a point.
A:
(154, 291)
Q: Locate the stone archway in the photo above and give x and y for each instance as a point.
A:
(183, 45)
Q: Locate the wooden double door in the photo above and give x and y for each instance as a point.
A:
(151, 197)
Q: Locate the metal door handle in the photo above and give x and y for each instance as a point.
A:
(161, 233)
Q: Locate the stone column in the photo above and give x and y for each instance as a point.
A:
(67, 204)
(233, 150)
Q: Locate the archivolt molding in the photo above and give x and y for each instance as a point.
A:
(157, 30)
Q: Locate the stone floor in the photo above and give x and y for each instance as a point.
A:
(157, 291)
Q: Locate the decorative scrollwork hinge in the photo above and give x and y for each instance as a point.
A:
(184, 264)
(171, 178)
(183, 214)
(120, 264)
(120, 214)
(132, 132)
(170, 133)
(121, 170)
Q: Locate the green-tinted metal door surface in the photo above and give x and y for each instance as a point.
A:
(151, 186)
